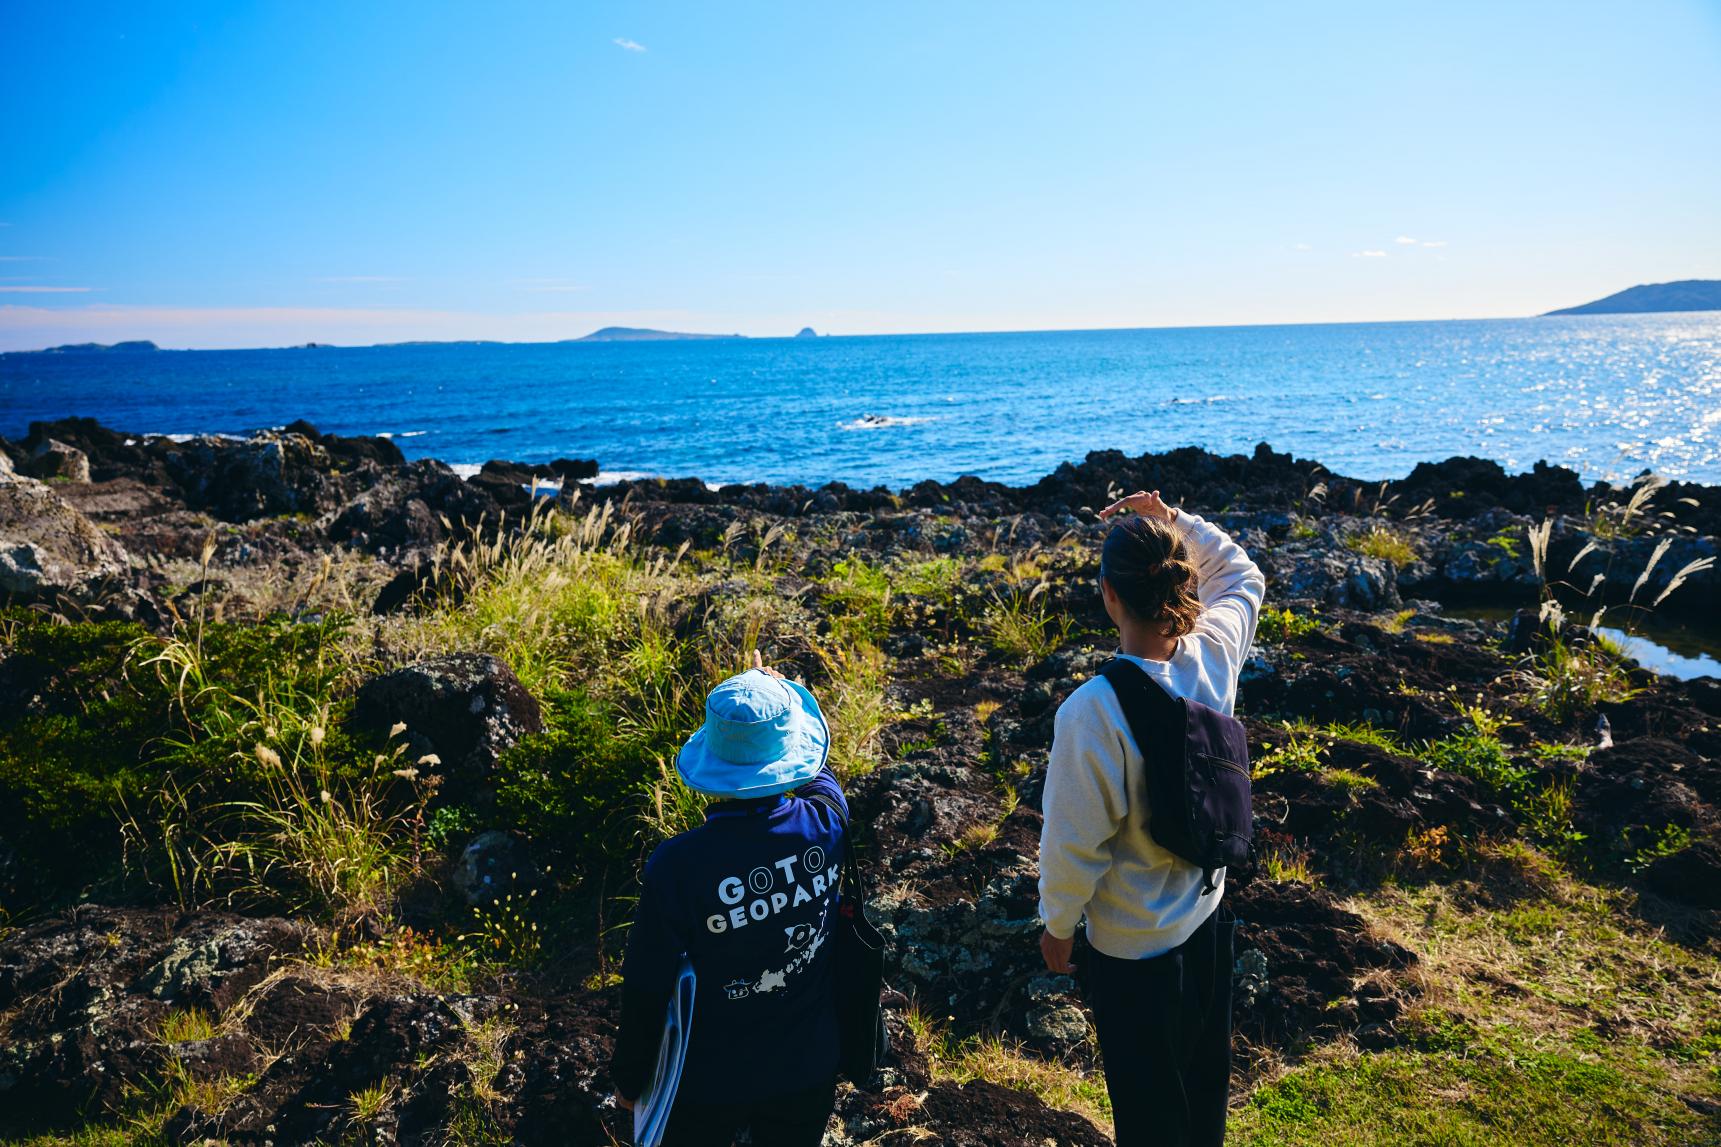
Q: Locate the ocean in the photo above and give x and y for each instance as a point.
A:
(1608, 396)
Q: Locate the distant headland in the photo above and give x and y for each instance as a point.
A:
(103, 348)
(644, 335)
(1648, 298)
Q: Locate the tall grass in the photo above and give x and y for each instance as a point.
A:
(1022, 624)
(856, 707)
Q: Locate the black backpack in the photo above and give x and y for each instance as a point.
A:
(857, 972)
(1197, 761)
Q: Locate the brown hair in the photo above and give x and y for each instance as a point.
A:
(1146, 563)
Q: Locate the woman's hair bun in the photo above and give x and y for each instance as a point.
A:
(1146, 562)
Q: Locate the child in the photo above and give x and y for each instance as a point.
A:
(749, 896)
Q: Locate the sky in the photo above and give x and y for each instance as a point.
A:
(233, 174)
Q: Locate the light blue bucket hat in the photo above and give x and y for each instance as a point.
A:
(762, 735)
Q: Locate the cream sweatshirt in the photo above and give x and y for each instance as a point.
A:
(1096, 857)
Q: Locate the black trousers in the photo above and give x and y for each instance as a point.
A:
(1164, 1026)
(794, 1120)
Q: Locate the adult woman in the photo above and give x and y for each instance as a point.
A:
(1185, 599)
(749, 896)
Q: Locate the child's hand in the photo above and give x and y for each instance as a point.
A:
(1146, 504)
(759, 664)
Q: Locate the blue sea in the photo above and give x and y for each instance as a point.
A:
(1609, 396)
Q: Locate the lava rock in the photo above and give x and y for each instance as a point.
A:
(466, 708)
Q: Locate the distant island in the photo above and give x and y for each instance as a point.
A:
(102, 348)
(1685, 295)
(643, 335)
(807, 333)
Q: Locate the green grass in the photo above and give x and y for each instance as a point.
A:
(1511, 1088)
(188, 1026)
(1548, 1013)
(1280, 624)
(1022, 625)
(1379, 541)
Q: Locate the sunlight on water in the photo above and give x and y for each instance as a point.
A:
(1609, 396)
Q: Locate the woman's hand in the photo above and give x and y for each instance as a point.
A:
(1056, 953)
(623, 1102)
(1144, 503)
(759, 664)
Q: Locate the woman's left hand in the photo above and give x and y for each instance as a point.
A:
(759, 664)
(1147, 504)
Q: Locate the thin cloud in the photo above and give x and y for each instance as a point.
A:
(1301, 247)
(362, 279)
(628, 45)
(1368, 254)
(46, 290)
(1434, 242)
(1405, 241)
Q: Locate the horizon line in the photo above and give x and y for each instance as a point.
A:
(701, 336)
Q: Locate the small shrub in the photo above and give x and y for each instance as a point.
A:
(1427, 847)
(1281, 624)
(1300, 753)
(1481, 756)
(1378, 541)
(860, 596)
(189, 1026)
(1669, 840)
(935, 578)
(856, 707)
(1548, 818)
(1023, 625)
(504, 932)
(1284, 861)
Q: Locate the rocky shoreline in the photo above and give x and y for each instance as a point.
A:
(1391, 736)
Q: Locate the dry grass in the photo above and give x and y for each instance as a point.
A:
(996, 1061)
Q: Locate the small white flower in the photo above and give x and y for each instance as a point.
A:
(398, 729)
(325, 796)
(317, 734)
(408, 774)
(266, 756)
(430, 760)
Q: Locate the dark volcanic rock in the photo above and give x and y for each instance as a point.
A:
(54, 460)
(466, 708)
(82, 996)
(265, 476)
(1320, 969)
(418, 505)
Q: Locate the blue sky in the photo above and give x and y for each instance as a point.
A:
(234, 174)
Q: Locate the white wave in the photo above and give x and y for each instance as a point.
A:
(402, 433)
(883, 421)
(1206, 401)
(466, 469)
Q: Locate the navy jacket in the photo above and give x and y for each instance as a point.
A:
(750, 896)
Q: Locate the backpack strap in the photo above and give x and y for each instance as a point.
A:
(1155, 717)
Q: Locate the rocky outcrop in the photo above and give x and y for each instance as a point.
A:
(49, 551)
(54, 461)
(465, 709)
(83, 998)
(417, 505)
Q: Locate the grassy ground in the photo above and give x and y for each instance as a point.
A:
(1551, 1012)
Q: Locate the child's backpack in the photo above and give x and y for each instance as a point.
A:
(1197, 762)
